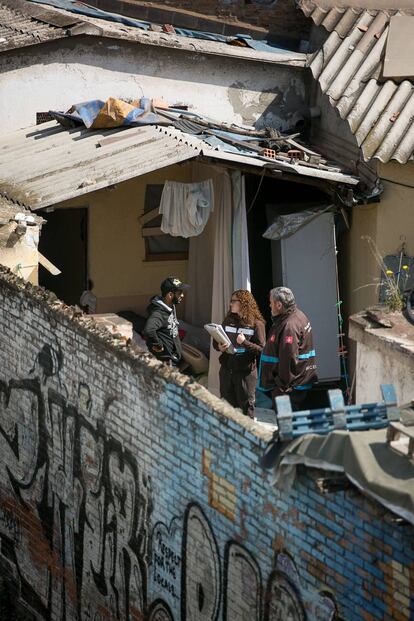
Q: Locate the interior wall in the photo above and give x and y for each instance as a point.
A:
(389, 223)
(360, 270)
(122, 278)
(396, 223)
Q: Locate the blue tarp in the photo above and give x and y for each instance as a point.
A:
(98, 114)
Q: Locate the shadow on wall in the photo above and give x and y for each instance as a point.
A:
(285, 109)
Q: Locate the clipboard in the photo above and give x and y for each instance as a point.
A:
(217, 332)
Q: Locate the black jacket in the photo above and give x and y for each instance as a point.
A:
(161, 329)
(244, 360)
(288, 358)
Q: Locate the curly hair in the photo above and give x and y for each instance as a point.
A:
(249, 311)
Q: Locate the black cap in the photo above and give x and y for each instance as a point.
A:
(172, 284)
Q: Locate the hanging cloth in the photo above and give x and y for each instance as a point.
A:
(241, 264)
(186, 207)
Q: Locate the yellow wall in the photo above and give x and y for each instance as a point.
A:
(397, 208)
(389, 223)
(116, 249)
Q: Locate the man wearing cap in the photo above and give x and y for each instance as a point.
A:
(287, 363)
(161, 328)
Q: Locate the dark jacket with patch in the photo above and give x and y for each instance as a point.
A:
(288, 358)
(245, 358)
(161, 329)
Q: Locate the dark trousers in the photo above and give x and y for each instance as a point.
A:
(239, 389)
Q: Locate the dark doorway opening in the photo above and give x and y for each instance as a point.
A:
(304, 260)
(64, 242)
(262, 192)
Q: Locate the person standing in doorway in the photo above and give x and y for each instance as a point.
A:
(161, 328)
(288, 363)
(245, 327)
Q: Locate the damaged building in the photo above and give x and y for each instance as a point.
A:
(127, 489)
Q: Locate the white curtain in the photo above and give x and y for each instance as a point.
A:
(241, 266)
(219, 257)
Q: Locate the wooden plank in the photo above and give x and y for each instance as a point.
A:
(149, 215)
(48, 265)
(152, 231)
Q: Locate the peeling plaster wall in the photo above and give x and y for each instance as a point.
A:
(383, 356)
(56, 75)
(19, 252)
(379, 363)
(127, 491)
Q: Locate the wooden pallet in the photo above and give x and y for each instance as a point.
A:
(338, 416)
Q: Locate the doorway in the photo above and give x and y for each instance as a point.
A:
(304, 261)
(64, 242)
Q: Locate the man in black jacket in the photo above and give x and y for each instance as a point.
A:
(161, 329)
(288, 361)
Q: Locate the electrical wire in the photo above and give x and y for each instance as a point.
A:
(257, 192)
(403, 185)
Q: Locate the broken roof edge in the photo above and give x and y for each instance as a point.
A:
(211, 48)
(9, 211)
(293, 168)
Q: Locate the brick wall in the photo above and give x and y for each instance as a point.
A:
(127, 491)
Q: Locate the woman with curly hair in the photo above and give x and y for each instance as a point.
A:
(245, 327)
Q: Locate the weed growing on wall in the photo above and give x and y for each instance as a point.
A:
(394, 283)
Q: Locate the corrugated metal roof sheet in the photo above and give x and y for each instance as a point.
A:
(348, 68)
(20, 26)
(44, 165)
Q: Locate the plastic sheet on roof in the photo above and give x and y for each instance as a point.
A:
(366, 460)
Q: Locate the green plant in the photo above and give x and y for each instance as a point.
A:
(394, 283)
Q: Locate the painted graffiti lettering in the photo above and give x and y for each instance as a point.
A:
(9, 526)
(81, 486)
(166, 564)
(90, 554)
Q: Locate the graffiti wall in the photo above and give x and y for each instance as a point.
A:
(127, 492)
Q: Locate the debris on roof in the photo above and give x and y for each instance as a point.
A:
(348, 67)
(269, 144)
(46, 164)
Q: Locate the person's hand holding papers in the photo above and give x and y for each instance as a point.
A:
(223, 346)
